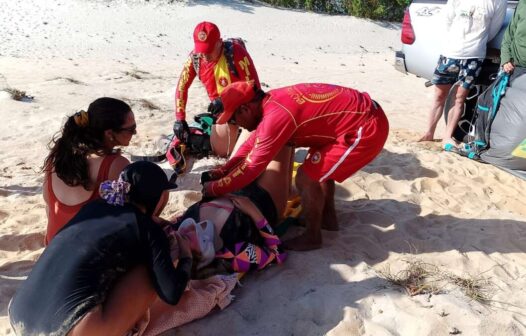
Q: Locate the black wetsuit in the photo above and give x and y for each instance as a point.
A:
(81, 264)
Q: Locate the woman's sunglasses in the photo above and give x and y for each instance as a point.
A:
(132, 129)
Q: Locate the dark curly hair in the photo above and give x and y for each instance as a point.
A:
(70, 147)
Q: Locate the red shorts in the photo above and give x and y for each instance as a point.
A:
(350, 152)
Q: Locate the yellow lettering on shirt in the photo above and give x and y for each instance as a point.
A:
(244, 65)
(240, 170)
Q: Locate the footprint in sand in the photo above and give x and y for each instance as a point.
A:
(23, 242)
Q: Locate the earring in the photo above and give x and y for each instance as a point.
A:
(112, 139)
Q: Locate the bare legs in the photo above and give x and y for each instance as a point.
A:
(454, 115)
(124, 306)
(441, 92)
(329, 221)
(318, 213)
(276, 179)
(223, 139)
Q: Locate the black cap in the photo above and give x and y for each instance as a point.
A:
(147, 183)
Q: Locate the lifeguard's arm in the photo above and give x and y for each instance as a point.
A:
(169, 282)
(181, 92)
(261, 147)
(245, 65)
(240, 155)
(505, 48)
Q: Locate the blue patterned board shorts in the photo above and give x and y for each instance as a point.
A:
(451, 70)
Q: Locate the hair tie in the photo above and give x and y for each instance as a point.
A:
(81, 118)
(114, 192)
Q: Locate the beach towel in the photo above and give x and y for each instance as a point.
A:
(201, 297)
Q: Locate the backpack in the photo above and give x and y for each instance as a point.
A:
(488, 104)
(198, 144)
(228, 51)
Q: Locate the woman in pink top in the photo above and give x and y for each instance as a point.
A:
(82, 155)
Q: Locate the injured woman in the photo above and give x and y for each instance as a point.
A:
(238, 228)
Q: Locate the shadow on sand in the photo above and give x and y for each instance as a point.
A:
(318, 294)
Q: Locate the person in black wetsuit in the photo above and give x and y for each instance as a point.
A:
(104, 269)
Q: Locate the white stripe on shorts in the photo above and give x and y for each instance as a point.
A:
(344, 156)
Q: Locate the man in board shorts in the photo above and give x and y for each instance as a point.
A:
(344, 129)
(469, 26)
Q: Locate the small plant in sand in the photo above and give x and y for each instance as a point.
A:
(419, 277)
(145, 103)
(416, 278)
(18, 94)
(476, 288)
(135, 73)
(71, 80)
(14, 93)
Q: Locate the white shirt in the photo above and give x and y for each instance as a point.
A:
(470, 25)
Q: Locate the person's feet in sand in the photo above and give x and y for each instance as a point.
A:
(449, 144)
(426, 137)
(303, 242)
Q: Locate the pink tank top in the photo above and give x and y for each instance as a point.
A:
(60, 213)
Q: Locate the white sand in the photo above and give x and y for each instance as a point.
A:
(414, 201)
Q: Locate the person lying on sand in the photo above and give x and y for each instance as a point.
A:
(104, 269)
(243, 221)
(345, 130)
(82, 156)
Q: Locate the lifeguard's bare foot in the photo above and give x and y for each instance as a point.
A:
(302, 243)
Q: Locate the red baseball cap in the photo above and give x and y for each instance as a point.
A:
(233, 96)
(206, 34)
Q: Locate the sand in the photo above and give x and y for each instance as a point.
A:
(414, 202)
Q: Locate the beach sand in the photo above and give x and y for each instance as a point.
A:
(413, 203)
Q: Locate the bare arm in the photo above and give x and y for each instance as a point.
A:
(117, 167)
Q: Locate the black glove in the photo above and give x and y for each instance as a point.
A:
(181, 130)
(216, 107)
(206, 177)
(211, 175)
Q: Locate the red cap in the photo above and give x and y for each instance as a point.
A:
(206, 34)
(233, 96)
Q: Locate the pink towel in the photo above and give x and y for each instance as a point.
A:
(197, 301)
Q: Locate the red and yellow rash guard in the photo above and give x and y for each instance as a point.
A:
(215, 76)
(305, 115)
